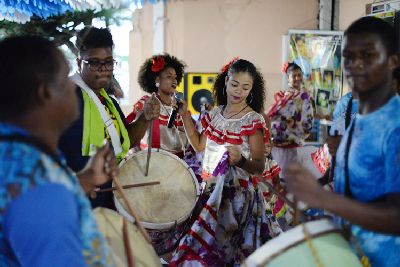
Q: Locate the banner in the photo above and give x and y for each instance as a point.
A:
(318, 53)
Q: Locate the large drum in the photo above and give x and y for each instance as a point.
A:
(162, 206)
(111, 224)
(292, 248)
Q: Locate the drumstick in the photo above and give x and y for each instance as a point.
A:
(127, 186)
(130, 209)
(150, 139)
(296, 215)
(127, 245)
(291, 204)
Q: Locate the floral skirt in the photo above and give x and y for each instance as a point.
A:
(231, 225)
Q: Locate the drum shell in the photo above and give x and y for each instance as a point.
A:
(110, 225)
(291, 249)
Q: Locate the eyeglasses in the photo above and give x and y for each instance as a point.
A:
(95, 65)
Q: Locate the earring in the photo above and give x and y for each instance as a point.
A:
(157, 84)
(251, 96)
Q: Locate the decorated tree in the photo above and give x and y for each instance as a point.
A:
(61, 28)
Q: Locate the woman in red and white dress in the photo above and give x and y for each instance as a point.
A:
(160, 75)
(232, 222)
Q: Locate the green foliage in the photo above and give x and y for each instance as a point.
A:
(62, 27)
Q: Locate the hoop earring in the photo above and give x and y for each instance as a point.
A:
(251, 96)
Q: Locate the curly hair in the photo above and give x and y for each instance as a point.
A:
(292, 67)
(147, 78)
(257, 96)
(92, 37)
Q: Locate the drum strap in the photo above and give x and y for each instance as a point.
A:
(155, 139)
(347, 192)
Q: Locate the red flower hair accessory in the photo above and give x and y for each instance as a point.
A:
(226, 67)
(285, 67)
(157, 64)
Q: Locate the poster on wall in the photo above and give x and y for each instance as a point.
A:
(318, 53)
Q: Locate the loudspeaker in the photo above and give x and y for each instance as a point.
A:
(197, 89)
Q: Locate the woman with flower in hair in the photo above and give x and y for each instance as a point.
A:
(232, 222)
(160, 75)
(291, 121)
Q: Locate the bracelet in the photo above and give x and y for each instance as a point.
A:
(241, 162)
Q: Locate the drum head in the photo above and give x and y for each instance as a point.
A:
(110, 225)
(158, 206)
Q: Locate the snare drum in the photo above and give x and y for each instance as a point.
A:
(162, 206)
(110, 225)
(293, 249)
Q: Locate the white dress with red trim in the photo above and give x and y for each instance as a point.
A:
(232, 222)
(170, 139)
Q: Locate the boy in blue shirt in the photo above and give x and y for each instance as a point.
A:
(367, 170)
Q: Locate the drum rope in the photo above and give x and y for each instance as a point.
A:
(363, 258)
(310, 245)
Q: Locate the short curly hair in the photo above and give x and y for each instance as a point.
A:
(257, 97)
(147, 78)
(92, 37)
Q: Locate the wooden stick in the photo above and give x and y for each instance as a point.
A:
(149, 143)
(292, 204)
(130, 209)
(296, 216)
(127, 186)
(127, 244)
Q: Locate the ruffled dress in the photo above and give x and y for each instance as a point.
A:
(232, 223)
(169, 139)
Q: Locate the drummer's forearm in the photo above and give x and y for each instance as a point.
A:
(381, 216)
(137, 130)
(254, 166)
(192, 134)
(85, 182)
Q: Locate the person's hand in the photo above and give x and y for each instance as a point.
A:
(303, 185)
(99, 169)
(183, 108)
(235, 154)
(151, 109)
(333, 143)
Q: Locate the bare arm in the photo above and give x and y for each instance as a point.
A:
(381, 216)
(196, 139)
(137, 130)
(255, 164)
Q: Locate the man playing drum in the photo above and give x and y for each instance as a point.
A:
(45, 216)
(368, 159)
(100, 115)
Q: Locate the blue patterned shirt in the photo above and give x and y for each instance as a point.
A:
(374, 171)
(45, 217)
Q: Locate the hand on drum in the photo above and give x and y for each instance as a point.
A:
(235, 154)
(151, 109)
(303, 185)
(100, 168)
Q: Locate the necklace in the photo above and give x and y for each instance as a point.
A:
(235, 113)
